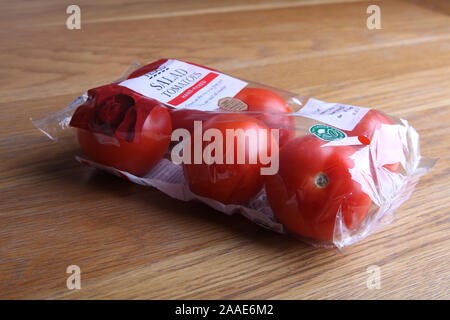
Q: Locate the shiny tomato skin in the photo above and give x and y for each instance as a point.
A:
(136, 158)
(264, 100)
(273, 108)
(312, 185)
(372, 121)
(228, 183)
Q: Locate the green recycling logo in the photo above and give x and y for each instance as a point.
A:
(327, 133)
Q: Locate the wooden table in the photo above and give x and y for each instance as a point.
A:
(134, 242)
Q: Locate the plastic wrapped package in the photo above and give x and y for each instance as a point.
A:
(327, 173)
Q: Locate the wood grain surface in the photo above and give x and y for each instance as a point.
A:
(134, 242)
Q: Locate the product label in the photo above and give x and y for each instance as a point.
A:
(183, 85)
(338, 115)
(327, 133)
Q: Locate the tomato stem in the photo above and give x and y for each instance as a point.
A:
(321, 180)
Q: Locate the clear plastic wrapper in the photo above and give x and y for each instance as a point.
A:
(327, 173)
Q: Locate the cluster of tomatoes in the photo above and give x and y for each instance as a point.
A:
(122, 129)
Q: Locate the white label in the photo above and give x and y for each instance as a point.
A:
(338, 115)
(183, 85)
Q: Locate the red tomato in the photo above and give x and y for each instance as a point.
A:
(312, 185)
(369, 123)
(134, 157)
(229, 183)
(266, 105)
(372, 121)
(273, 108)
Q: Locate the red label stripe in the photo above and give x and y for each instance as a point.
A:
(186, 94)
